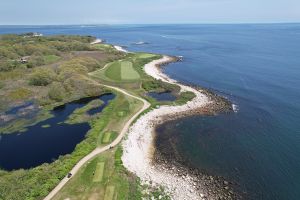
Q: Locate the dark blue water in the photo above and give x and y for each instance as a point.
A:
(105, 98)
(38, 145)
(258, 68)
(162, 96)
(17, 109)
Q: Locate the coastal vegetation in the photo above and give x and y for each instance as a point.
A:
(55, 70)
(21, 51)
(67, 60)
(80, 115)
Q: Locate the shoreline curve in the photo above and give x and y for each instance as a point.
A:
(138, 148)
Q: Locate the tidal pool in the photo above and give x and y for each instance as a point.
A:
(162, 96)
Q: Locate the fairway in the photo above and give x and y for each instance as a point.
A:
(128, 72)
(146, 55)
(106, 137)
(99, 172)
(109, 193)
(113, 71)
(121, 71)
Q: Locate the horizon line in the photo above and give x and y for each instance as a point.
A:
(114, 24)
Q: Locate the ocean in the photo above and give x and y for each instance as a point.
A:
(255, 66)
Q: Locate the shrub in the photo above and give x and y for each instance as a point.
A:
(90, 63)
(69, 69)
(8, 65)
(79, 86)
(7, 53)
(36, 60)
(56, 91)
(42, 77)
(159, 86)
(151, 85)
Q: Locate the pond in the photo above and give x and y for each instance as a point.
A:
(45, 141)
(162, 96)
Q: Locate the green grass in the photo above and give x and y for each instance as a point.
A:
(115, 183)
(128, 72)
(121, 71)
(51, 59)
(113, 71)
(146, 55)
(118, 158)
(81, 186)
(106, 137)
(185, 97)
(115, 122)
(99, 172)
(121, 113)
(109, 193)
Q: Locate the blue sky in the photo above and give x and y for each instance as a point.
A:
(32, 12)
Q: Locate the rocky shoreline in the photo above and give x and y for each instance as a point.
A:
(167, 158)
(206, 186)
(154, 168)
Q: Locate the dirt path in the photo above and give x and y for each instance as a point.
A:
(99, 150)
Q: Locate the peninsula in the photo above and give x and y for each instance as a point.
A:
(99, 94)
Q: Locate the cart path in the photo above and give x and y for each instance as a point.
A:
(99, 150)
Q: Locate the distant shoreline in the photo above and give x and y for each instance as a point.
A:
(97, 41)
(119, 48)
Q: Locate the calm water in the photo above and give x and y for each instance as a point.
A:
(258, 68)
(162, 96)
(105, 98)
(39, 145)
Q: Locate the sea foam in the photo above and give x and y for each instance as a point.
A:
(235, 108)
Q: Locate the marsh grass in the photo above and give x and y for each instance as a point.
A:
(80, 114)
(20, 94)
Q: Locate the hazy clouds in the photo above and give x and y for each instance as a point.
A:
(142, 11)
